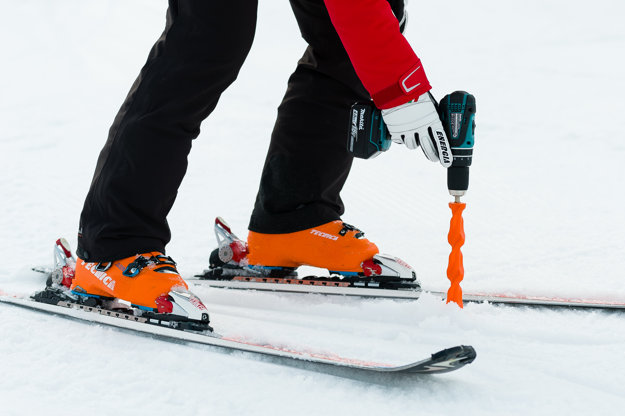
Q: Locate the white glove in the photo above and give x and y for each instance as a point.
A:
(417, 123)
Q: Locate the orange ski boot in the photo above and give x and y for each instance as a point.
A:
(335, 246)
(148, 281)
(146, 285)
(274, 258)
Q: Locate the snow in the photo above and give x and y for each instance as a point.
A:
(544, 217)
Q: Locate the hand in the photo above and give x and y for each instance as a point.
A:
(418, 123)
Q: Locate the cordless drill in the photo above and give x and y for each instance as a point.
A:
(457, 112)
(368, 135)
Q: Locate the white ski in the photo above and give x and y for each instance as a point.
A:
(440, 362)
(330, 288)
(303, 286)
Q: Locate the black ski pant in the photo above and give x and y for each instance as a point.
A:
(197, 57)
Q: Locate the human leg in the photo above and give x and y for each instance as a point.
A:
(296, 217)
(307, 163)
(145, 157)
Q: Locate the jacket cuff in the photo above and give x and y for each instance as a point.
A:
(411, 85)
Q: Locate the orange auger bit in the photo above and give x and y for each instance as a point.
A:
(455, 268)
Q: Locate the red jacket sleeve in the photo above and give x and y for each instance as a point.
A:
(383, 59)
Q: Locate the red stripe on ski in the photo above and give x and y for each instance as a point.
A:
(323, 356)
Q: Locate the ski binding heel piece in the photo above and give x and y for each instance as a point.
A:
(64, 265)
(230, 247)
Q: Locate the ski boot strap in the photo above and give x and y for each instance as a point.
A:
(141, 262)
(347, 227)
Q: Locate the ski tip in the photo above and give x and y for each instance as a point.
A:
(455, 357)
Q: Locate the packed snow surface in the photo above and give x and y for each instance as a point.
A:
(544, 217)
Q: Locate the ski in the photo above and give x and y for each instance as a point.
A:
(311, 284)
(329, 286)
(443, 361)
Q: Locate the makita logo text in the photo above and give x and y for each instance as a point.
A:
(102, 276)
(361, 122)
(324, 235)
(443, 145)
(354, 132)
